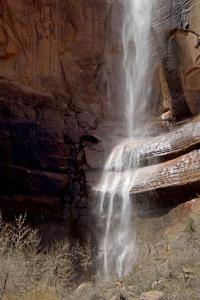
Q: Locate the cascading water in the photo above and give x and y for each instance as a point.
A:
(136, 60)
(117, 248)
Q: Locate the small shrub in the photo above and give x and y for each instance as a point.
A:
(190, 226)
(36, 294)
(27, 271)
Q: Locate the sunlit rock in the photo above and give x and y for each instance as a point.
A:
(153, 295)
(187, 49)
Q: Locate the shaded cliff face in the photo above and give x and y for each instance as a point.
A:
(51, 102)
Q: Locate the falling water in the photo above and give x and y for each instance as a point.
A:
(135, 37)
(117, 248)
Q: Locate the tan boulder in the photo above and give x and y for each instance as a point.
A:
(83, 289)
(153, 295)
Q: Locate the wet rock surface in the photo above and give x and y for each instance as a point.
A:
(178, 172)
(151, 150)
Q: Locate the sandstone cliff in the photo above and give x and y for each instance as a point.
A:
(56, 60)
(51, 100)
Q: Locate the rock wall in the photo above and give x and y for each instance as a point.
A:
(51, 103)
(57, 59)
(181, 59)
(177, 90)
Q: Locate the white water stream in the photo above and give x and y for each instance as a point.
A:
(117, 247)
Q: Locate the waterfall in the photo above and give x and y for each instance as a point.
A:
(136, 54)
(117, 246)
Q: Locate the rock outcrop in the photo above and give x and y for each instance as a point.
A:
(178, 74)
(151, 150)
(180, 172)
(167, 170)
(187, 48)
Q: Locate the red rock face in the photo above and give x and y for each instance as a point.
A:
(186, 44)
(181, 62)
(56, 48)
(55, 124)
(51, 61)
